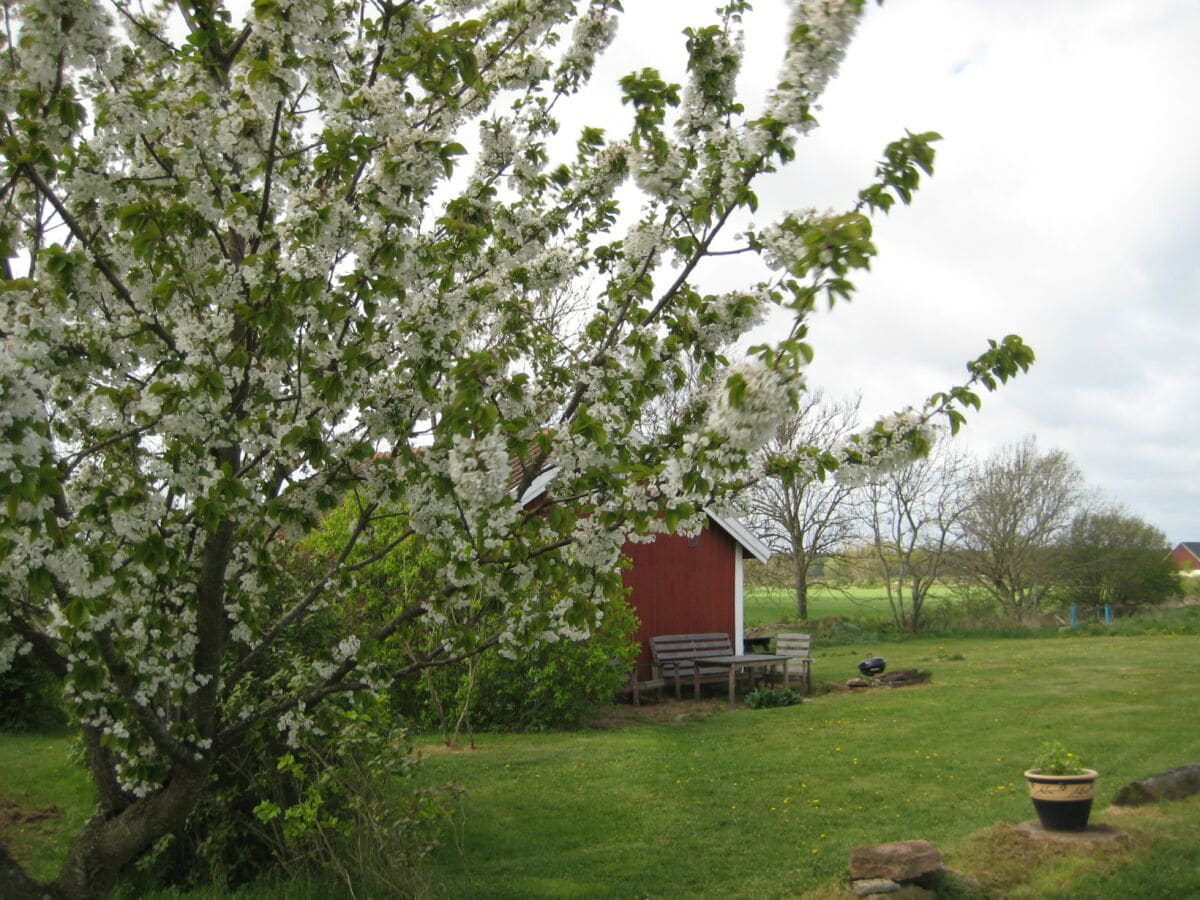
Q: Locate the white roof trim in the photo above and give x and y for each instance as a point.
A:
(732, 527)
(741, 534)
(538, 486)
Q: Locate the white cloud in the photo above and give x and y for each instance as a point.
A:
(1063, 209)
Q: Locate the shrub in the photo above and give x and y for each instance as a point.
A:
(552, 686)
(764, 698)
(30, 696)
(558, 684)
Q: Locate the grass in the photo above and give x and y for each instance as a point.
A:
(694, 799)
(49, 797)
(770, 802)
(773, 606)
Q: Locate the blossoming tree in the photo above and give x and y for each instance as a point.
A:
(251, 269)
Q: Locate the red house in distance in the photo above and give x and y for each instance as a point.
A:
(1186, 557)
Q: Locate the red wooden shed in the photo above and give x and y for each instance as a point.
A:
(681, 585)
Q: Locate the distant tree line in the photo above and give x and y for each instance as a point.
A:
(1018, 533)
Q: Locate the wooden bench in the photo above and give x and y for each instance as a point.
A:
(674, 657)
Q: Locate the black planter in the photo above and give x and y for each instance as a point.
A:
(1062, 802)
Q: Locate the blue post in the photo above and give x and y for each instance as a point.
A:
(1073, 608)
(1107, 614)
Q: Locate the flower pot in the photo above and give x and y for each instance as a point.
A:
(1063, 802)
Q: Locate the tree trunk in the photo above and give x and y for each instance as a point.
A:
(15, 884)
(800, 570)
(106, 845)
(918, 601)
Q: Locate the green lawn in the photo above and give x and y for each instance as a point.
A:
(696, 800)
(45, 795)
(769, 802)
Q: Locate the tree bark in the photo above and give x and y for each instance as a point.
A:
(107, 844)
(800, 570)
(15, 884)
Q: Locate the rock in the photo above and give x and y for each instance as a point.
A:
(1173, 785)
(858, 683)
(866, 887)
(1093, 836)
(897, 861)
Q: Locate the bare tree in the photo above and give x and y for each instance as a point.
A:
(911, 514)
(1022, 503)
(800, 516)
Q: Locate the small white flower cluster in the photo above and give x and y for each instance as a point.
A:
(883, 449)
(766, 400)
(642, 247)
(609, 169)
(22, 388)
(593, 33)
(824, 29)
(784, 249)
(497, 147)
(712, 84)
(480, 470)
(661, 180)
(77, 30)
(10, 648)
(295, 722)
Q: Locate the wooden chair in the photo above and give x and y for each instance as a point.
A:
(637, 685)
(798, 647)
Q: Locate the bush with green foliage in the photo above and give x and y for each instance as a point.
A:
(553, 685)
(557, 685)
(30, 696)
(1118, 560)
(764, 698)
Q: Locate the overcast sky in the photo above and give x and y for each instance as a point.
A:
(1065, 207)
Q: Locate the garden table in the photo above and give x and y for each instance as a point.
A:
(733, 663)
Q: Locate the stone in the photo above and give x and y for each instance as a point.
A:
(897, 860)
(858, 683)
(1092, 836)
(1174, 785)
(866, 887)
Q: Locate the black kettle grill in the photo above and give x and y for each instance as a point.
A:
(873, 666)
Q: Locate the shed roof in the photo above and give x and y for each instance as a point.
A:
(736, 529)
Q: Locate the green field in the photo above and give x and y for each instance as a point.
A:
(693, 799)
(772, 606)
